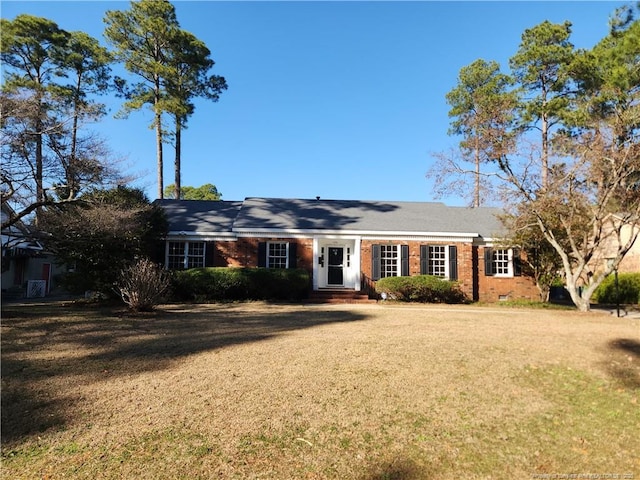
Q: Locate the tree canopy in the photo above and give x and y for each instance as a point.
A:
(572, 189)
(207, 191)
(50, 81)
(481, 112)
(171, 68)
(102, 234)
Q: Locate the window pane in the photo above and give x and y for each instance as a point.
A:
(191, 252)
(501, 261)
(388, 261)
(175, 260)
(195, 257)
(277, 255)
(437, 260)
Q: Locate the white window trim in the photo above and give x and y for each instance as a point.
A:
(268, 259)
(509, 273)
(185, 258)
(447, 273)
(398, 272)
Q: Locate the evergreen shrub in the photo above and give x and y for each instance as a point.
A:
(421, 288)
(212, 284)
(628, 289)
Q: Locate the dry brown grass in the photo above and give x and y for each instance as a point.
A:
(314, 391)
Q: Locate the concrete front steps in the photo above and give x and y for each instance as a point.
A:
(338, 296)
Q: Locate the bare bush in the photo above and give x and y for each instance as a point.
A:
(143, 285)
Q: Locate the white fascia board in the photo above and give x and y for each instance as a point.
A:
(492, 241)
(302, 233)
(201, 236)
(421, 236)
(280, 233)
(336, 236)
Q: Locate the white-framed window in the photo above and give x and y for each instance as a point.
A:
(182, 255)
(389, 261)
(439, 261)
(502, 262)
(438, 264)
(277, 255)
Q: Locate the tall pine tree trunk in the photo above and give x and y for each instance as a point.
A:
(159, 155)
(545, 153)
(476, 202)
(177, 165)
(158, 122)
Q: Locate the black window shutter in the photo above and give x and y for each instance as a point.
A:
(293, 258)
(488, 261)
(517, 262)
(453, 262)
(404, 260)
(375, 262)
(209, 254)
(262, 254)
(424, 259)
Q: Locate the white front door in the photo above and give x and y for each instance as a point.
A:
(337, 263)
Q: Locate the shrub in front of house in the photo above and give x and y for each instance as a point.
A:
(143, 285)
(420, 288)
(212, 284)
(628, 289)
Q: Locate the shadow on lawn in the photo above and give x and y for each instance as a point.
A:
(399, 469)
(46, 346)
(624, 365)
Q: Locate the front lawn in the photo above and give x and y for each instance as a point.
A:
(252, 390)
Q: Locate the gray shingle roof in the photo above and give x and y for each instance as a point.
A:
(200, 215)
(371, 216)
(280, 214)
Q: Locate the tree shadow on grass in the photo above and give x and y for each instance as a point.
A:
(46, 346)
(624, 365)
(398, 469)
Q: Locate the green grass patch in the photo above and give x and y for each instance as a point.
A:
(589, 426)
(584, 425)
(179, 450)
(522, 303)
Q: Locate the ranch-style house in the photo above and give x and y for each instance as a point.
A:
(349, 244)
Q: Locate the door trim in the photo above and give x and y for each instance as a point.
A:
(351, 262)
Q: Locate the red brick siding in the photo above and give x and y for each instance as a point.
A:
(474, 283)
(465, 260)
(492, 288)
(244, 252)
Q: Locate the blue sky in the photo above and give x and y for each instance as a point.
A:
(345, 100)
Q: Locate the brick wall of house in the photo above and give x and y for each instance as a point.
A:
(235, 254)
(474, 283)
(244, 252)
(466, 274)
(494, 288)
(471, 273)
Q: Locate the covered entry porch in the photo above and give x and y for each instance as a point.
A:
(336, 263)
